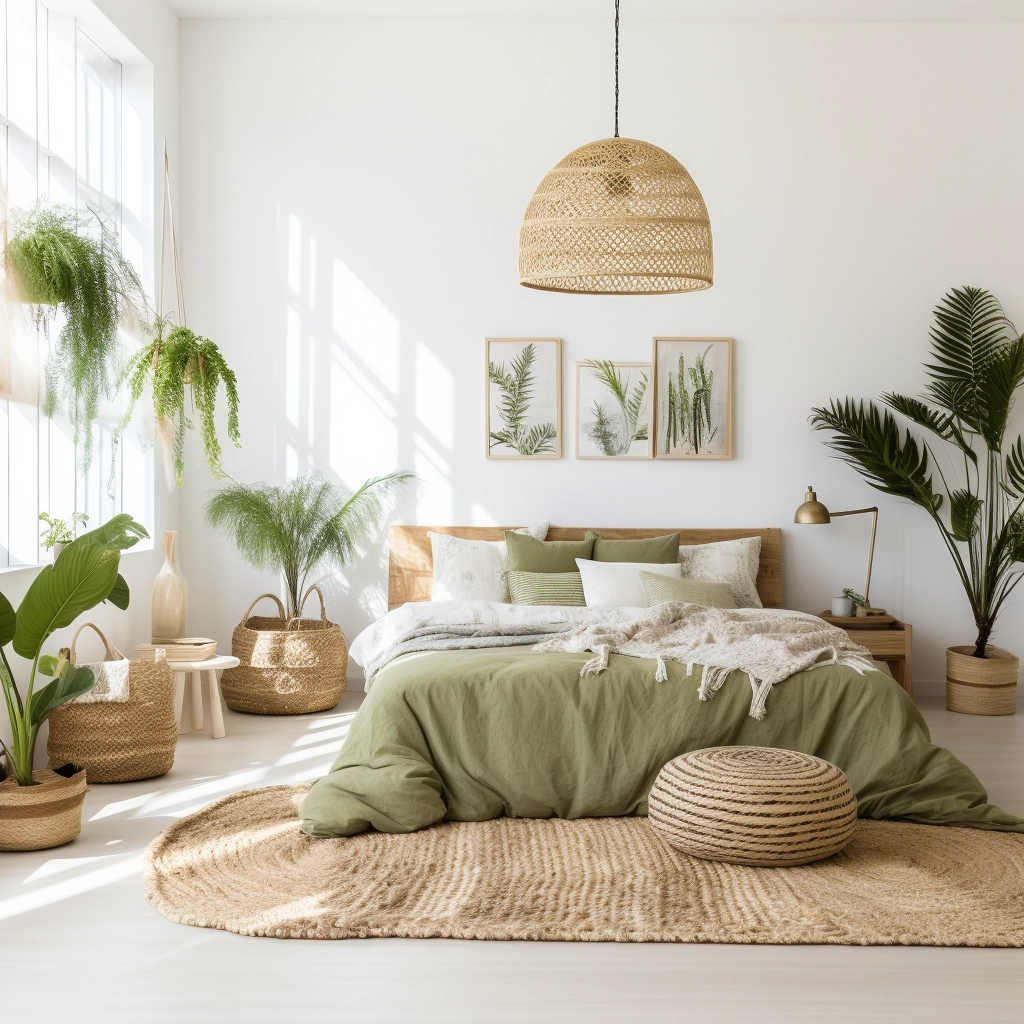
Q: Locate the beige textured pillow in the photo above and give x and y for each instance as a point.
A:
(660, 589)
(729, 561)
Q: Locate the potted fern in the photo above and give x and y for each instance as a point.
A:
(288, 664)
(53, 261)
(179, 365)
(304, 526)
(976, 371)
(40, 809)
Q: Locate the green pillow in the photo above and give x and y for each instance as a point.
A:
(525, 554)
(546, 588)
(660, 589)
(652, 550)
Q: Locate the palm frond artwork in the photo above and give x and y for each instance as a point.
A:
(613, 404)
(693, 383)
(522, 402)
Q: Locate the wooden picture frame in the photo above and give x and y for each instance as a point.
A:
(590, 389)
(533, 429)
(703, 356)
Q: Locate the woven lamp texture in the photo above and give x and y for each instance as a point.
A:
(753, 805)
(617, 217)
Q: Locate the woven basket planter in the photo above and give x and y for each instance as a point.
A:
(981, 686)
(38, 817)
(753, 805)
(286, 667)
(119, 741)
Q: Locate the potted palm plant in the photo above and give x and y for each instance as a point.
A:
(976, 370)
(290, 664)
(53, 261)
(40, 809)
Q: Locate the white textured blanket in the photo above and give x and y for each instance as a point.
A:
(768, 644)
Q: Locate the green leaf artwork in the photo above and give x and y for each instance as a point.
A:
(619, 420)
(516, 384)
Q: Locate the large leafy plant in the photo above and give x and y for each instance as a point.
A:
(515, 386)
(303, 526)
(977, 369)
(177, 365)
(84, 574)
(54, 261)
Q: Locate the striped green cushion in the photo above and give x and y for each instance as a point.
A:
(545, 587)
(660, 589)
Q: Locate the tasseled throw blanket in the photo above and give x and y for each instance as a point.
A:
(768, 644)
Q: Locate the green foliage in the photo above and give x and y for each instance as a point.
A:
(303, 526)
(516, 385)
(977, 369)
(84, 574)
(184, 360)
(858, 599)
(688, 415)
(58, 531)
(616, 438)
(53, 261)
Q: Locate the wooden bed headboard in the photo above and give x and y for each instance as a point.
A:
(411, 563)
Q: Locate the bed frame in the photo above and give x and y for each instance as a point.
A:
(411, 564)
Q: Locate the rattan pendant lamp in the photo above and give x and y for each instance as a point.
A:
(616, 217)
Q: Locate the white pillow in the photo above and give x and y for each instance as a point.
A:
(728, 561)
(472, 570)
(618, 584)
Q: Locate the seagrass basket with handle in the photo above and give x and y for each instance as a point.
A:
(286, 667)
(118, 739)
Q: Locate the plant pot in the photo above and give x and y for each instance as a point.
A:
(57, 549)
(981, 686)
(38, 817)
(842, 608)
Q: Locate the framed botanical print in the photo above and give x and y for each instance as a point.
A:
(692, 398)
(524, 398)
(613, 410)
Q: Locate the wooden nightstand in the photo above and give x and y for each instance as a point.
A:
(887, 639)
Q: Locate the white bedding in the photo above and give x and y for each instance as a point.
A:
(375, 645)
(370, 648)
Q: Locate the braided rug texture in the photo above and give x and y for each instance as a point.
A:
(242, 865)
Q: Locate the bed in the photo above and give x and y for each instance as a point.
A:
(478, 731)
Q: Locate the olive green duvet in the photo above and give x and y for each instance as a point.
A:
(469, 735)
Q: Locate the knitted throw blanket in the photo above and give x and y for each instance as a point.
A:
(768, 644)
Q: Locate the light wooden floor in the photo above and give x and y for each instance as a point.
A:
(79, 942)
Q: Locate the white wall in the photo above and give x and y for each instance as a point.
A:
(351, 199)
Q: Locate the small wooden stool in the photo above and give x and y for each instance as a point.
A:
(190, 714)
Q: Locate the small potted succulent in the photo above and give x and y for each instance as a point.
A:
(58, 534)
(43, 808)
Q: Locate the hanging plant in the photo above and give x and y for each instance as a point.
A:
(53, 262)
(171, 365)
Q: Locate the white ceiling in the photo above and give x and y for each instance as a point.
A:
(633, 10)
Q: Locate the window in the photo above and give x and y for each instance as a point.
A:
(60, 141)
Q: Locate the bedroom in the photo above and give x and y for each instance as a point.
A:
(348, 182)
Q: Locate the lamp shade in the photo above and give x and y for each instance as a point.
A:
(616, 217)
(812, 511)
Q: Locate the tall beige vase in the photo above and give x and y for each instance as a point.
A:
(170, 594)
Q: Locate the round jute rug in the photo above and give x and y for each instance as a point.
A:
(242, 864)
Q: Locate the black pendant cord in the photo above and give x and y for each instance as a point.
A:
(616, 68)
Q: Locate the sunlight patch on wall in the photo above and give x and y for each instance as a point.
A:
(294, 254)
(368, 328)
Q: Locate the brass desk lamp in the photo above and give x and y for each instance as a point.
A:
(814, 512)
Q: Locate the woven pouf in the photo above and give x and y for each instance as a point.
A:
(753, 805)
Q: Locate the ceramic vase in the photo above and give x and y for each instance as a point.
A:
(170, 594)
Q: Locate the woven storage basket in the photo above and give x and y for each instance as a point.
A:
(38, 817)
(286, 667)
(753, 805)
(119, 741)
(981, 686)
